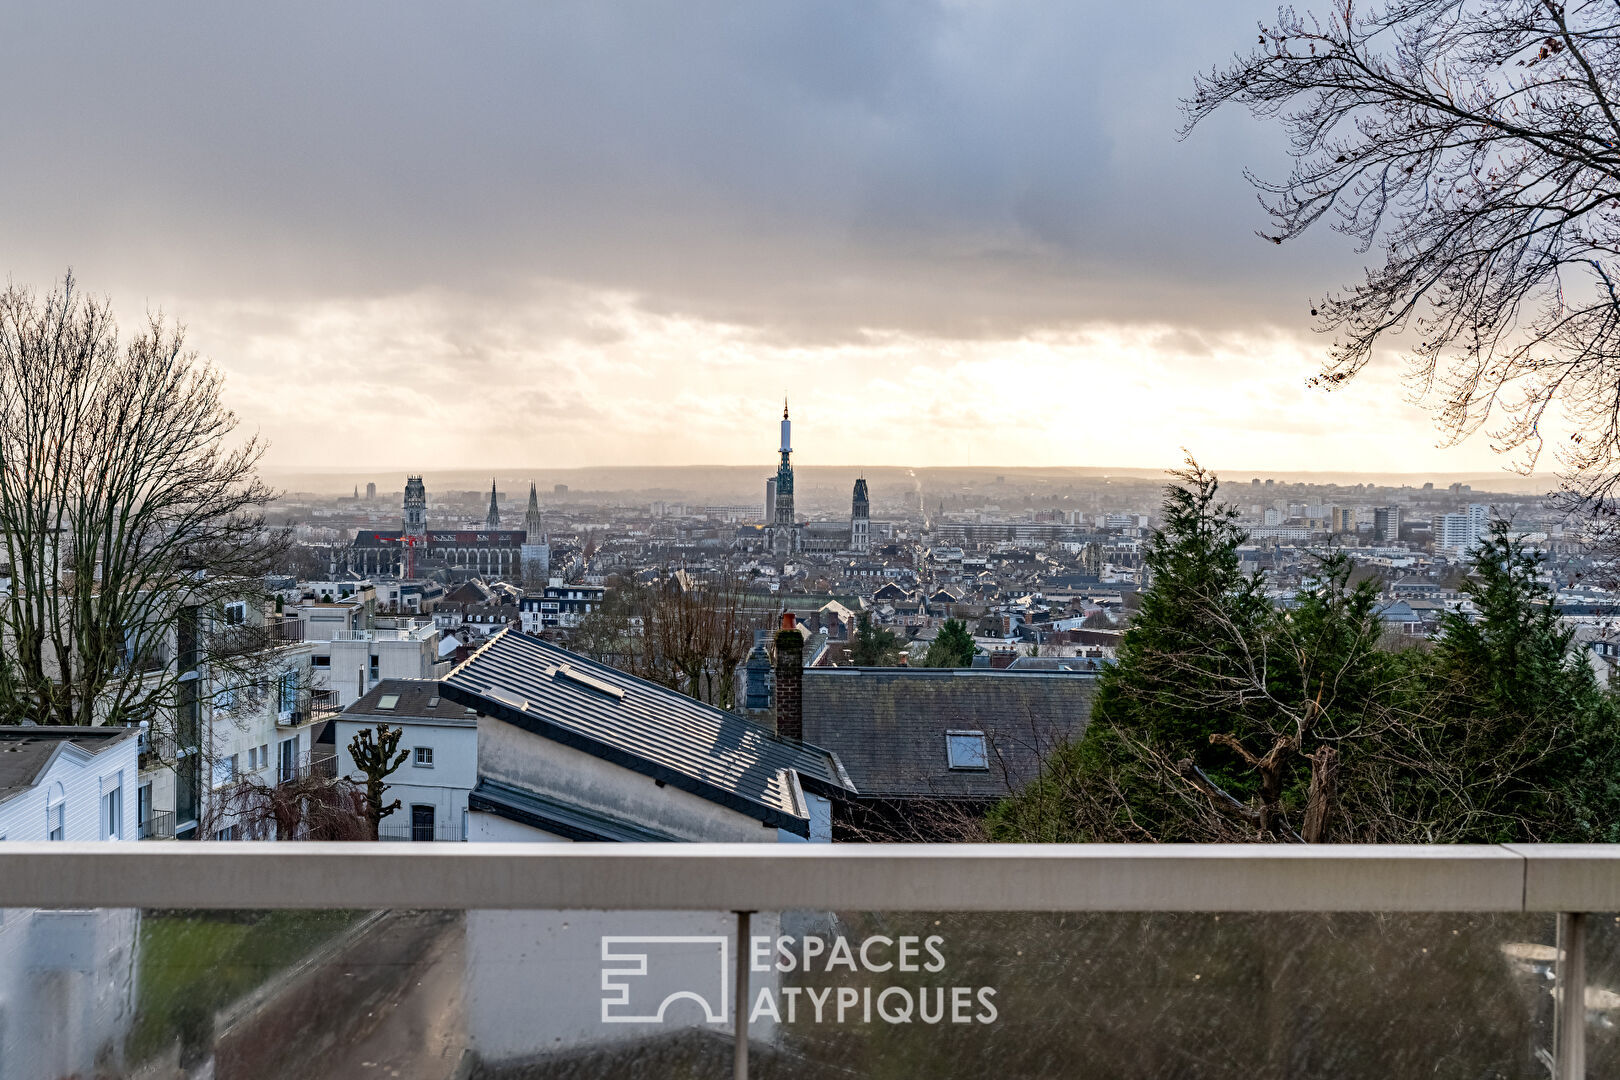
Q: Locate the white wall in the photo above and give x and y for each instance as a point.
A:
(67, 991)
(79, 778)
(444, 786)
(514, 756)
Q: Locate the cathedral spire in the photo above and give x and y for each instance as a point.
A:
(493, 519)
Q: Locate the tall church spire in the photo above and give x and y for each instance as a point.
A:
(493, 519)
(784, 527)
(533, 524)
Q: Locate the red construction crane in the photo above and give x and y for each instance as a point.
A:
(410, 543)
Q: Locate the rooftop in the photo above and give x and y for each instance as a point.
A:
(26, 751)
(642, 726)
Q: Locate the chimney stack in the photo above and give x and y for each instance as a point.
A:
(789, 680)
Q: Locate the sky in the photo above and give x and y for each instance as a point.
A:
(568, 234)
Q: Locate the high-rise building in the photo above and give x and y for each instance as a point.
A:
(1460, 534)
(371, 492)
(860, 519)
(492, 520)
(770, 500)
(1386, 524)
(1343, 519)
(782, 536)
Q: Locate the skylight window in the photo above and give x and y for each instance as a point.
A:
(388, 701)
(965, 750)
(585, 678)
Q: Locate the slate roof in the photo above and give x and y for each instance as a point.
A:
(419, 699)
(645, 727)
(888, 725)
(26, 752)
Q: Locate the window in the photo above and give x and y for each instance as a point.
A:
(320, 661)
(225, 770)
(965, 750)
(56, 821)
(289, 760)
(424, 757)
(112, 814)
(388, 701)
(234, 832)
(253, 758)
(287, 696)
(375, 668)
(236, 613)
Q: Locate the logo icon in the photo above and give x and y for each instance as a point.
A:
(694, 965)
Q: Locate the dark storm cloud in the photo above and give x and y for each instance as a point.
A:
(808, 169)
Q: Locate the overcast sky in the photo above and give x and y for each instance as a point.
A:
(565, 234)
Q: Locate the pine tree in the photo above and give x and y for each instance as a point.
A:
(952, 646)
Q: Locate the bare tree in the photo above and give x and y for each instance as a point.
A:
(305, 807)
(1477, 143)
(374, 756)
(131, 521)
(693, 633)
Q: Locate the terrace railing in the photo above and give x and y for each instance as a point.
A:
(1156, 952)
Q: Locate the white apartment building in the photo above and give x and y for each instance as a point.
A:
(1460, 534)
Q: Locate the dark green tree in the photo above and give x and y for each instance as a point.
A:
(951, 647)
(1227, 717)
(873, 646)
(374, 755)
(1525, 744)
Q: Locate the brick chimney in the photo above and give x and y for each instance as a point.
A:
(789, 680)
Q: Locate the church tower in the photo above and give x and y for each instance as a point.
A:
(860, 519)
(492, 520)
(415, 508)
(536, 551)
(784, 530)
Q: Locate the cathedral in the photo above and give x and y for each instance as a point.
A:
(489, 552)
(787, 536)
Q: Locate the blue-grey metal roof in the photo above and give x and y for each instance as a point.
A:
(554, 816)
(645, 727)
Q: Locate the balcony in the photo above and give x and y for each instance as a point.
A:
(629, 960)
(286, 630)
(414, 633)
(159, 825)
(315, 705)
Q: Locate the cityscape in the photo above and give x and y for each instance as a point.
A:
(617, 541)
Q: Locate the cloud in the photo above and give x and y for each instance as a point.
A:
(583, 232)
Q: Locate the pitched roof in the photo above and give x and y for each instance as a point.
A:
(414, 699)
(644, 727)
(26, 752)
(888, 725)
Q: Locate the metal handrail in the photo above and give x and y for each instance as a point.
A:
(865, 877)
